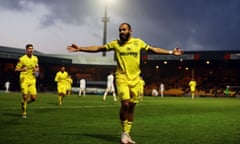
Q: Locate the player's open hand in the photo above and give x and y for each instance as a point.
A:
(177, 51)
(73, 48)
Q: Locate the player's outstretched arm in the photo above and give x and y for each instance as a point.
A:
(76, 48)
(175, 51)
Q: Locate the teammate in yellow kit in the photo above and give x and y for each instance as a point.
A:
(141, 91)
(127, 50)
(192, 84)
(69, 87)
(29, 70)
(62, 84)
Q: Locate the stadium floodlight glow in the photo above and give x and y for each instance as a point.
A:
(207, 62)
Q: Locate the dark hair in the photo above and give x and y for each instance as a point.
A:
(29, 45)
(129, 26)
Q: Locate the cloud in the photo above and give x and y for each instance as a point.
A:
(14, 5)
(210, 24)
(190, 24)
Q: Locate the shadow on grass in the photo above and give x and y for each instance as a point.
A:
(53, 103)
(10, 119)
(17, 115)
(104, 137)
(111, 138)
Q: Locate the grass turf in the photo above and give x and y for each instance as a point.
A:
(88, 120)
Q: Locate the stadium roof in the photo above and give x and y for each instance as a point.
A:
(15, 53)
(89, 60)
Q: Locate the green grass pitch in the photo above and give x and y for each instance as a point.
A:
(89, 120)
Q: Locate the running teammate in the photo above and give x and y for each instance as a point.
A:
(192, 84)
(29, 69)
(69, 86)
(62, 83)
(141, 91)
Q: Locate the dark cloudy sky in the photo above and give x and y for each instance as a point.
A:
(51, 25)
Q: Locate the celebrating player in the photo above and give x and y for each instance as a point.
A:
(28, 68)
(127, 50)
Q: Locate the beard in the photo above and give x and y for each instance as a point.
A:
(124, 37)
(29, 54)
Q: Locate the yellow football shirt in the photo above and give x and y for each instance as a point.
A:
(61, 78)
(192, 85)
(30, 63)
(142, 82)
(128, 56)
(69, 81)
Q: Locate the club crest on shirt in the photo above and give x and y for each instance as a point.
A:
(135, 44)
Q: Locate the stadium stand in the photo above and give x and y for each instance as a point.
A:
(214, 70)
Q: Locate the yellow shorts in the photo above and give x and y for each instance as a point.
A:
(192, 89)
(62, 88)
(128, 89)
(28, 86)
(141, 90)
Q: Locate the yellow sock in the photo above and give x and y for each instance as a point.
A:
(59, 100)
(24, 107)
(129, 126)
(124, 126)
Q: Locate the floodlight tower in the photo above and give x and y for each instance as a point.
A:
(105, 20)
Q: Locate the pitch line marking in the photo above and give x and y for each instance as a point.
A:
(60, 107)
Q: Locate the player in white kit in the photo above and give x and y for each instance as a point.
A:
(7, 85)
(82, 89)
(110, 87)
(162, 88)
